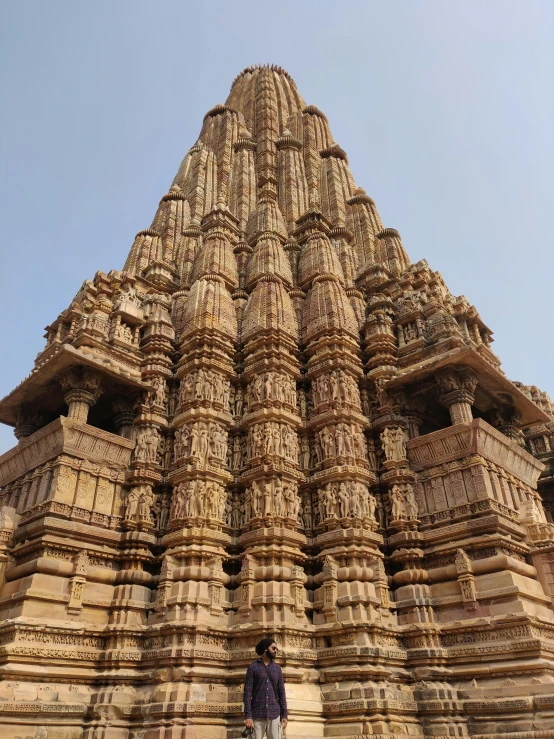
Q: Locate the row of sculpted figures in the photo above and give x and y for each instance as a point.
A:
(205, 385)
(271, 386)
(211, 387)
(336, 388)
(208, 500)
(204, 440)
(342, 440)
(272, 438)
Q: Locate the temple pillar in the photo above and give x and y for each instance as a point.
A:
(81, 388)
(458, 393)
(123, 418)
(28, 421)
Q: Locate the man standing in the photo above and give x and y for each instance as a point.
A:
(265, 702)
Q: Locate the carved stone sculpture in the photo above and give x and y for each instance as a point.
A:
(410, 503)
(398, 504)
(393, 441)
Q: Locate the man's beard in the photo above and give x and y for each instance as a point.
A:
(271, 655)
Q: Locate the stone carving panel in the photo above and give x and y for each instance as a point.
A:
(205, 386)
(272, 386)
(341, 441)
(271, 499)
(272, 439)
(346, 499)
(202, 443)
(335, 389)
(199, 499)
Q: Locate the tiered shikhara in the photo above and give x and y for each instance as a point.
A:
(271, 422)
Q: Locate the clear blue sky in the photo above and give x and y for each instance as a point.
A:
(446, 110)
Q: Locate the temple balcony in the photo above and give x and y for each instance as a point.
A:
(480, 521)
(67, 468)
(467, 470)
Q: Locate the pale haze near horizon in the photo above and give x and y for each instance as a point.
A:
(445, 110)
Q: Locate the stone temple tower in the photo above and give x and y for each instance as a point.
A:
(271, 422)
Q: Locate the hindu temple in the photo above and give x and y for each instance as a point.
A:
(272, 422)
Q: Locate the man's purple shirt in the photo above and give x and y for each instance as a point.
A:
(259, 696)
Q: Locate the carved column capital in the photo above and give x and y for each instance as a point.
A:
(507, 421)
(82, 388)
(28, 420)
(458, 393)
(124, 417)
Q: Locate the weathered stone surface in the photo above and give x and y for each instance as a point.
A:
(271, 422)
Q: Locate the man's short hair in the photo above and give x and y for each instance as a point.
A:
(264, 644)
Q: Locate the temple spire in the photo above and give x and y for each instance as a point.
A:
(263, 139)
(271, 422)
